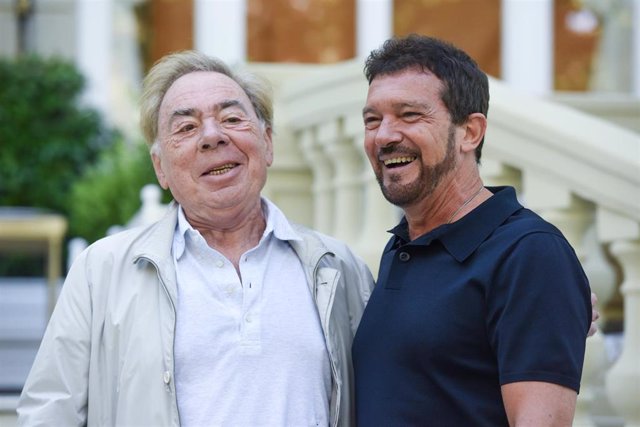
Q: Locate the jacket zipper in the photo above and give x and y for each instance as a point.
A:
(334, 369)
(173, 307)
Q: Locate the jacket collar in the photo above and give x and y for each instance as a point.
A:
(156, 243)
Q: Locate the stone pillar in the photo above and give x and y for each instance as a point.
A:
(8, 29)
(322, 170)
(592, 400)
(374, 24)
(577, 220)
(348, 190)
(574, 223)
(635, 46)
(220, 29)
(378, 217)
(94, 38)
(495, 174)
(527, 45)
(623, 379)
(613, 65)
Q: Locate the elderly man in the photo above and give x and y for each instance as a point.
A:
(223, 312)
(481, 310)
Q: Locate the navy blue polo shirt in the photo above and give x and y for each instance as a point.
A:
(496, 297)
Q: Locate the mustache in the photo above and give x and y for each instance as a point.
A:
(395, 149)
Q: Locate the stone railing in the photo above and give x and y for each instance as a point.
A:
(580, 172)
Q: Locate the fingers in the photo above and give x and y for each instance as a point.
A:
(595, 315)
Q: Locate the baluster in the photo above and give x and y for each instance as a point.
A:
(602, 279)
(322, 171)
(495, 173)
(290, 178)
(347, 167)
(376, 215)
(573, 216)
(623, 379)
(574, 221)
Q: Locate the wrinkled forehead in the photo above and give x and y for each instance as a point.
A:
(410, 84)
(203, 90)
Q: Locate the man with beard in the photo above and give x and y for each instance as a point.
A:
(481, 310)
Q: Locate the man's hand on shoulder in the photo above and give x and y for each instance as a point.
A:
(595, 315)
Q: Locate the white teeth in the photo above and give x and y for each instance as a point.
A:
(398, 160)
(222, 169)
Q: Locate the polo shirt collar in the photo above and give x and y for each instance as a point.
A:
(278, 222)
(464, 236)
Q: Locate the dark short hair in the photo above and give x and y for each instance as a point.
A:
(465, 86)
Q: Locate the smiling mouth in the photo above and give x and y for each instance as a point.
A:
(221, 169)
(398, 161)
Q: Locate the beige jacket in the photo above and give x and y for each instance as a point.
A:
(106, 358)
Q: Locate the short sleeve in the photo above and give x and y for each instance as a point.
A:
(539, 312)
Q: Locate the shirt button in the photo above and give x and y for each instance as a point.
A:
(248, 318)
(166, 377)
(404, 256)
(219, 263)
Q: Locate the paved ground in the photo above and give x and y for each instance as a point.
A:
(22, 322)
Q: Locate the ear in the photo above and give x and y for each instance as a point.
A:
(157, 167)
(269, 146)
(474, 129)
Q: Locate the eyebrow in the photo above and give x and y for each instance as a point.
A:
(231, 103)
(182, 112)
(399, 106)
(190, 112)
(366, 110)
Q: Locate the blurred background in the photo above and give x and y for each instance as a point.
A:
(564, 129)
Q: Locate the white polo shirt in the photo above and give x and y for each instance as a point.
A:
(248, 352)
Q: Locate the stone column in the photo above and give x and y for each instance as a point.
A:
(322, 170)
(574, 223)
(220, 29)
(527, 45)
(94, 38)
(8, 29)
(635, 45)
(496, 174)
(623, 379)
(374, 24)
(613, 65)
(378, 216)
(348, 190)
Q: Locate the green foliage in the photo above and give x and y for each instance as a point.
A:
(47, 138)
(109, 193)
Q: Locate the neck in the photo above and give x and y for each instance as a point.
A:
(447, 204)
(232, 237)
(464, 204)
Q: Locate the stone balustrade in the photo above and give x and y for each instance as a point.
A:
(580, 172)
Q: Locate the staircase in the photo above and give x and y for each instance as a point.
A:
(575, 159)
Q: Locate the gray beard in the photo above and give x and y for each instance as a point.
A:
(425, 184)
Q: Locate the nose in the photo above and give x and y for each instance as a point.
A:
(387, 134)
(212, 136)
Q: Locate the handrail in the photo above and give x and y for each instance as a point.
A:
(595, 159)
